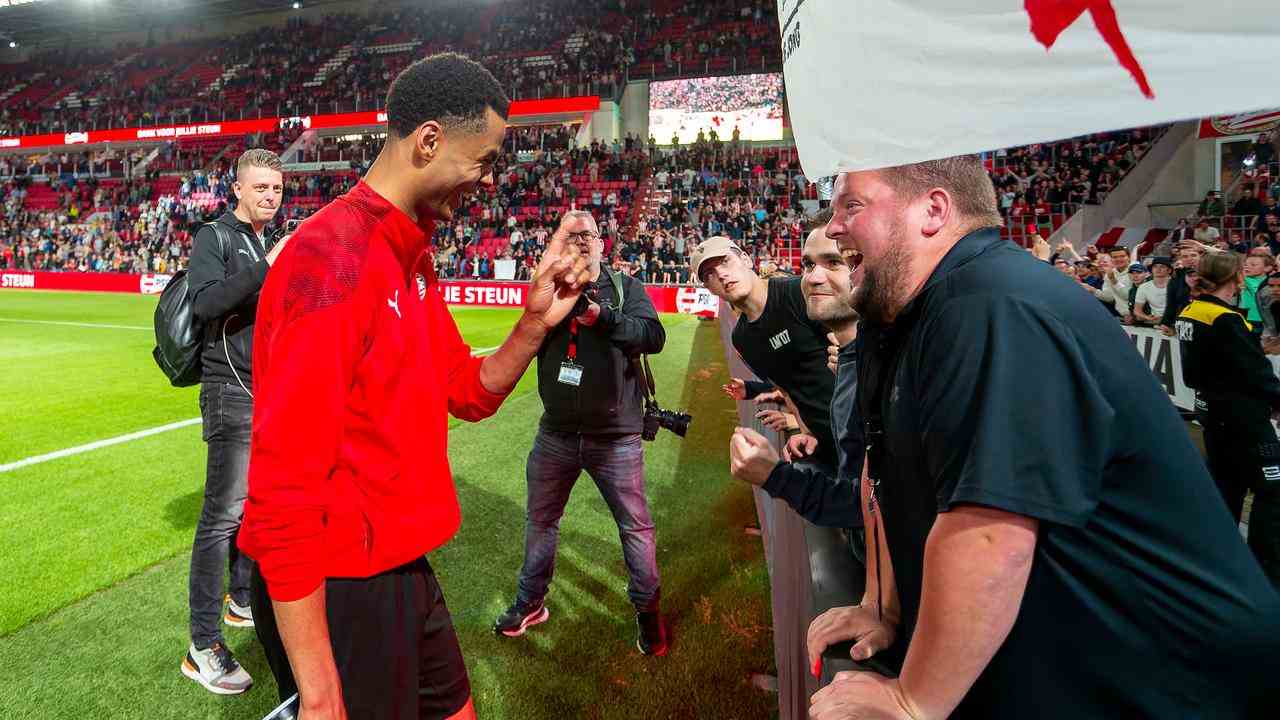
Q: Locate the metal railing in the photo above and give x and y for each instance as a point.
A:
(661, 70)
(811, 570)
(46, 171)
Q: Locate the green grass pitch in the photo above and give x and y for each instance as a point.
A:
(93, 610)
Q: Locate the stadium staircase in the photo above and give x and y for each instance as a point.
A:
(19, 87)
(645, 203)
(338, 60)
(1130, 197)
(226, 76)
(140, 168)
(226, 151)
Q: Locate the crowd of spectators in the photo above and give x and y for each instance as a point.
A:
(539, 48)
(1041, 185)
(1253, 215)
(725, 188)
(100, 230)
(533, 189)
(713, 186)
(720, 94)
(1145, 286)
(707, 38)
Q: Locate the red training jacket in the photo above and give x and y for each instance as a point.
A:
(356, 363)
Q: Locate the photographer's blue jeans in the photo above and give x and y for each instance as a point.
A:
(616, 464)
(227, 412)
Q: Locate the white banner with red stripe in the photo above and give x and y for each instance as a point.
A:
(874, 84)
(1240, 124)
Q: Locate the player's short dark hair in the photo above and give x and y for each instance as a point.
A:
(449, 88)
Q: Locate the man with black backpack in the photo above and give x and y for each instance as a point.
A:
(229, 262)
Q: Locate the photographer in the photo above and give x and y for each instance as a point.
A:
(229, 263)
(593, 416)
(1179, 289)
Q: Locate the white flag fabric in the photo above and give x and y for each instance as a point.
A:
(876, 83)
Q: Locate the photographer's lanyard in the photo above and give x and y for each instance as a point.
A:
(570, 370)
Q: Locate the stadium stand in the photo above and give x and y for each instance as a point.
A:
(135, 209)
(751, 193)
(1041, 186)
(343, 62)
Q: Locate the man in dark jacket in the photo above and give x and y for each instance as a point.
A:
(229, 262)
(593, 414)
(1179, 292)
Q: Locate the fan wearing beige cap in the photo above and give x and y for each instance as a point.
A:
(774, 335)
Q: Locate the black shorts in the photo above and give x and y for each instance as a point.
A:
(393, 642)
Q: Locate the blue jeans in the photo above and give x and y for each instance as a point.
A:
(616, 464)
(227, 412)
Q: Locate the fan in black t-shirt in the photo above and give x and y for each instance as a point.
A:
(774, 335)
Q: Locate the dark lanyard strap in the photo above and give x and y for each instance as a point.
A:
(872, 510)
(874, 428)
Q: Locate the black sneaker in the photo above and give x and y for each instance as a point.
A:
(652, 639)
(520, 617)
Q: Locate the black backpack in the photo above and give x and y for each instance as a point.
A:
(179, 335)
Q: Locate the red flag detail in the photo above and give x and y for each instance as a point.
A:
(1050, 17)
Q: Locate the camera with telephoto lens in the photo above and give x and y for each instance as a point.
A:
(655, 417)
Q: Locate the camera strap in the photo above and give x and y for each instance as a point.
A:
(616, 281)
(645, 373)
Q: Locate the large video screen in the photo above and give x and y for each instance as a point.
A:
(750, 103)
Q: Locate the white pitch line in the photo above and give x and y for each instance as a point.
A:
(98, 444)
(37, 459)
(76, 324)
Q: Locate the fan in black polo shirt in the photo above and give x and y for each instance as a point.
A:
(774, 334)
(1049, 541)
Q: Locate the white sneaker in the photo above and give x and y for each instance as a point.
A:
(239, 616)
(216, 669)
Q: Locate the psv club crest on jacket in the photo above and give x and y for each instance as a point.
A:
(422, 286)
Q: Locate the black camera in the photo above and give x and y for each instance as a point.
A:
(655, 417)
(590, 294)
